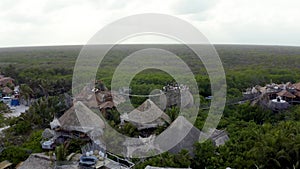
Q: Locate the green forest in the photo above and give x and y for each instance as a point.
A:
(259, 137)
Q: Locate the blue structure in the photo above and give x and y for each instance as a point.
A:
(14, 102)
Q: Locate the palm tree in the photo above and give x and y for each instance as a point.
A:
(26, 93)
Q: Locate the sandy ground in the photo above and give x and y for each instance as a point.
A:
(16, 111)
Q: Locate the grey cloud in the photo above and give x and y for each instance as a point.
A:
(193, 6)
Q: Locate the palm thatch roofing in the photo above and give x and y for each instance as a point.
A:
(289, 85)
(151, 167)
(7, 90)
(146, 115)
(285, 93)
(47, 133)
(5, 80)
(141, 146)
(80, 118)
(181, 126)
(5, 164)
(218, 137)
(93, 99)
(37, 161)
(297, 93)
(117, 98)
(297, 86)
(106, 105)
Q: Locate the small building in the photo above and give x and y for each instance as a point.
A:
(93, 98)
(6, 99)
(6, 91)
(173, 141)
(286, 95)
(146, 116)
(4, 81)
(278, 104)
(178, 95)
(77, 122)
(252, 92)
(193, 135)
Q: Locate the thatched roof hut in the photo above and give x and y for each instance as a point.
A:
(80, 118)
(7, 90)
(147, 115)
(297, 86)
(6, 80)
(285, 93)
(37, 161)
(47, 134)
(218, 137)
(93, 99)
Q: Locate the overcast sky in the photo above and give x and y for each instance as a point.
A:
(68, 22)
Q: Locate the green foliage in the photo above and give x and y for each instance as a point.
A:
(181, 160)
(204, 155)
(60, 153)
(129, 130)
(74, 146)
(2, 121)
(42, 112)
(173, 113)
(14, 154)
(34, 142)
(258, 138)
(4, 108)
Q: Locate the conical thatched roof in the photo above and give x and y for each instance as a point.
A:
(147, 114)
(285, 93)
(218, 137)
(47, 133)
(39, 161)
(80, 118)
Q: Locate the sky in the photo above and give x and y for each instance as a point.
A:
(72, 22)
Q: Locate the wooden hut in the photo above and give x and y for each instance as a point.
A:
(147, 115)
(286, 95)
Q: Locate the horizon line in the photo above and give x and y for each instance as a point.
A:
(70, 45)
